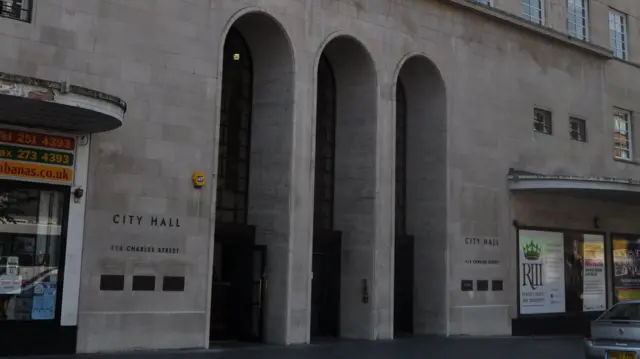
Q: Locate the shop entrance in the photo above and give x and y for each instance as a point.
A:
(238, 287)
(33, 220)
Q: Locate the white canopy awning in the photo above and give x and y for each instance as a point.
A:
(601, 188)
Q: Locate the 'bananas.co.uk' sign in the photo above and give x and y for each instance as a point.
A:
(37, 157)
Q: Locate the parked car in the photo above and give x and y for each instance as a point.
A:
(616, 333)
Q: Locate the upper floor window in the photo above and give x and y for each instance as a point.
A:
(485, 2)
(578, 129)
(577, 18)
(618, 33)
(16, 9)
(622, 134)
(533, 10)
(542, 121)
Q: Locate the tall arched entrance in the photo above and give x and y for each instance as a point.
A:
(251, 228)
(403, 271)
(325, 291)
(420, 285)
(344, 219)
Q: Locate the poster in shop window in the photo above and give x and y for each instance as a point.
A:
(626, 266)
(44, 301)
(541, 272)
(594, 295)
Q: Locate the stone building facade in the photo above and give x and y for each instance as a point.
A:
(489, 97)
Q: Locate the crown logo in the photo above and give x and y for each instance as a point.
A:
(532, 251)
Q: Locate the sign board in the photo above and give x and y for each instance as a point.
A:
(10, 284)
(594, 279)
(541, 272)
(626, 265)
(36, 156)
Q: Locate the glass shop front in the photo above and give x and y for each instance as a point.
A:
(562, 281)
(36, 170)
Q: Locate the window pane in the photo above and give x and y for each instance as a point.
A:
(623, 311)
(30, 242)
(618, 30)
(622, 135)
(532, 10)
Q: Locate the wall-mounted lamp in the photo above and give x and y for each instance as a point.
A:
(78, 193)
(596, 222)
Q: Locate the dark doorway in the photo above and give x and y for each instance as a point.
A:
(403, 287)
(325, 290)
(403, 271)
(238, 287)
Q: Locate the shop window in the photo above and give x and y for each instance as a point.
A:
(626, 265)
(31, 242)
(561, 272)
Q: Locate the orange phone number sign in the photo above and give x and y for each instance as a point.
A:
(38, 140)
(34, 158)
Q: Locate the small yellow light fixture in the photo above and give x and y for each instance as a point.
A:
(198, 178)
(236, 56)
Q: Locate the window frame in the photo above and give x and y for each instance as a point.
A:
(629, 124)
(585, 7)
(401, 159)
(9, 325)
(527, 4)
(488, 3)
(28, 11)
(537, 109)
(583, 122)
(234, 137)
(624, 22)
(325, 142)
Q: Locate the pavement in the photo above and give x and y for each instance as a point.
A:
(410, 348)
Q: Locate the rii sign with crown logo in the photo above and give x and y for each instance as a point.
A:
(541, 272)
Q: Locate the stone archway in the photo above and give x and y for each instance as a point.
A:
(345, 180)
(252, 197)
(421, 198)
